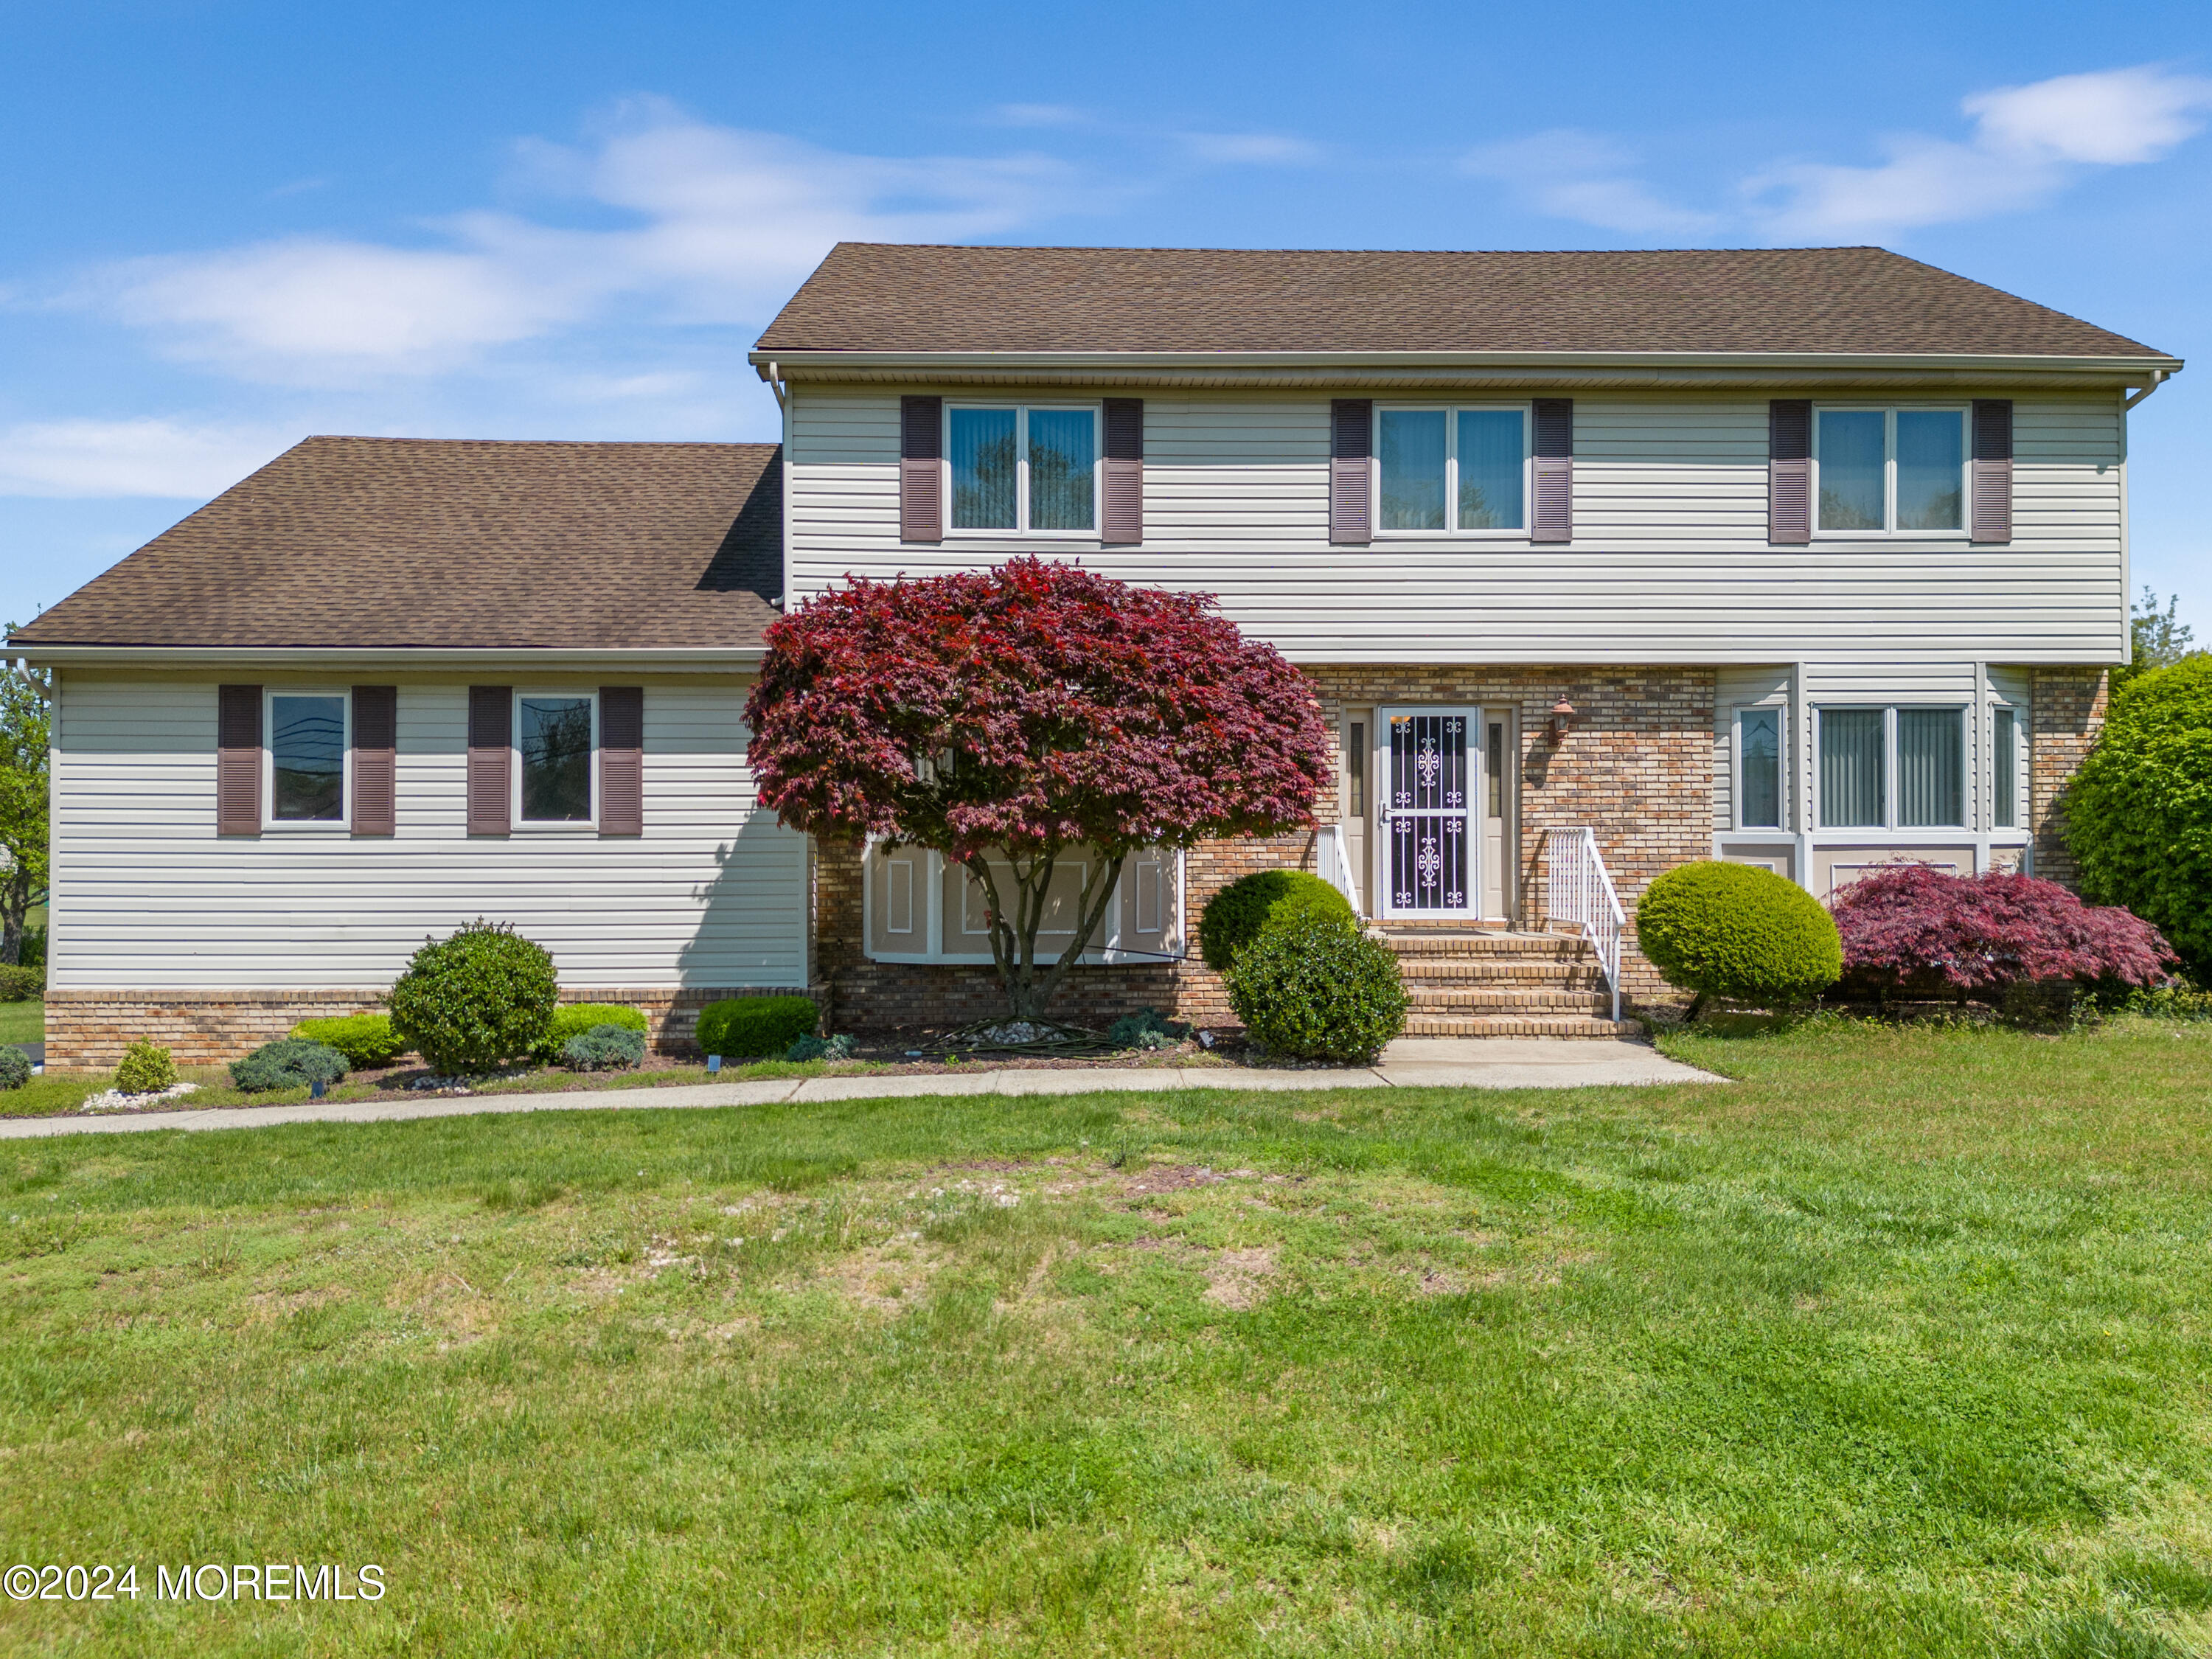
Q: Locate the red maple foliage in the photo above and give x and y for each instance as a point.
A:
(1908, 926)
(1015, 715)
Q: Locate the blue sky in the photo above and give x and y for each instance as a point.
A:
(229, 225)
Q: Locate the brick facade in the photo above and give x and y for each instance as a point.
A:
(2068, 711)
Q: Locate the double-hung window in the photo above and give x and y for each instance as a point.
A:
(308, 735)
(1453, 470)
(1030, 469)
(1890, 471)
(557, 752)
(1893, 769)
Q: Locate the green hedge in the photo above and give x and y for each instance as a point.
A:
(573, 1019)
(1242, 911)
(474, 999)
(19, 983)
(755, 1028)
(1318, 988)
(1738, 931)
(367, 1041)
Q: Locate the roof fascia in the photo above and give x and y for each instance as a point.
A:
(670, 659)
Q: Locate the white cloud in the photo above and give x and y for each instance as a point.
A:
(1261, 149)
(1585, 176)
(2027, 144)
(85, 457)
(1037, 115)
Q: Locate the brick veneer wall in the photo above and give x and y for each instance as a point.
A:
(2068, 711)
(88, 1030)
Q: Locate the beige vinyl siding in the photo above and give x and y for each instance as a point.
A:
(1736, 688)
(1670, 561)
(146, 896)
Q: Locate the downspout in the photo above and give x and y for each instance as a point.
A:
(2158, 377)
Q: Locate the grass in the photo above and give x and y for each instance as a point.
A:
(22, 1022)
(1898, 1346)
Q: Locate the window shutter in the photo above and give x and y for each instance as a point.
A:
(922, 473)
(1790, 471)
(1554, 518)
(238, 760)
(1992, 470)
(491, 755)
(1123, 520)
(1351, 491)
(621, 760)
(375, 757)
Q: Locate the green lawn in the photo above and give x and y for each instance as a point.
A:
(22, 1022)
(1898, 1346)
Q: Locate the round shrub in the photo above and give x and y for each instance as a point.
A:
(1738, 931)
(475, 999)
(20, 983)
(146, 1068)
(367, 1041)
(573, 1019)
(2139, 813)
(755, 1028)
(604, 1049)
(1242, 911)
(14, 1066)
(287, 1063)
(839, 1046)
(1316, 987)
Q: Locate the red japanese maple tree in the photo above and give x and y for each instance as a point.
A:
(1023, 714)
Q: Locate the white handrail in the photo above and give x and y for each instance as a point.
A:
(1580, 893)
(1333, 866)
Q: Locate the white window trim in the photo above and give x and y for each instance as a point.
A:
(1972, 808)
(551, 826)
(1781, 712)
(1021, 530)
(934, 924)
(340, 825)
(1451, 531)
(1890, 532)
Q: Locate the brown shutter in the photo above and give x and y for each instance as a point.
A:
(922, 473)
(1123, 520)
(375, 755)
(1554, 518)
(1790, 471)
(1992, 470)
(238, 760)
(491, 755)
(621, 760)
(1351, 445)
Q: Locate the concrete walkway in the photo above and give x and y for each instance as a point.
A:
(1410, 1062)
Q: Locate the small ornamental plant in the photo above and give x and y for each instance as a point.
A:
(147, 1068)
(14, 1066)
(287, 1063)
(475, 999)
(1739, 933)
(1910, 928)
(1248, 906)
(604, 1049)
(573, 1019)
(367, 1041)
(1314, 988)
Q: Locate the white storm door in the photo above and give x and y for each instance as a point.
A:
(1426, 813)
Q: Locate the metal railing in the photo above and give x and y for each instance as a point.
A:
(1332, 864)
(1580, 893)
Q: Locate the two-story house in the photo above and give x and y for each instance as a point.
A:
(1808, 558)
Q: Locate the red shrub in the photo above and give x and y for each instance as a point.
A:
(1908, 925)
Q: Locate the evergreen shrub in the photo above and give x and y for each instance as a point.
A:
(289, 1062)
(1738, 931)
(367, 1041)
(573, 1019)
(604, 1049)
(755, 1028)
(1316, 987)
(146, 1068)
(474, 999)
(22, 984)
(14, 1066)
(1242, 911)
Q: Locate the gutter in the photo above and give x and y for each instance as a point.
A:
(2158, 377)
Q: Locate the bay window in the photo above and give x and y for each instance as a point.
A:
(1882, 471)
(1447, 471)
(1027, 469)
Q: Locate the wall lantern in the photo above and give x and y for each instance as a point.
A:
(1562, 712)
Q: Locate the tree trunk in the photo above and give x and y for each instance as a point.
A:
(1013, 938)
(15, 905)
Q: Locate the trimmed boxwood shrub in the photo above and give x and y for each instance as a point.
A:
(474, 999)
(755, 1028)
(2139, 812)
(1318, 988)
(604, 1049)
(367, 1041)
(1240, 912)
(1738, 931)
(573, 1019)
(146, 1068)
(22, 984)
(287, 1063)
(14, 1066)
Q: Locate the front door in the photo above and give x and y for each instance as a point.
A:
(1425, 814)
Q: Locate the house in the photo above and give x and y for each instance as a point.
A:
(1809, 558)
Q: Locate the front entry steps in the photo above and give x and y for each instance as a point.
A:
(1486, 982)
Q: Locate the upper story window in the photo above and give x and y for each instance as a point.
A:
(555, 741)
(1883, 471)
(1447, 470)
(307, 757)
(1030, 469)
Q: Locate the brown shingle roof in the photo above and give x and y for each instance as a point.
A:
(869, 296)
(433, 542)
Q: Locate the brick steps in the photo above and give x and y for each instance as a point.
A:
(1484, 998)
(1519, 1025)
(1486, 982)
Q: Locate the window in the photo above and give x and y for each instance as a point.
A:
(1886, 470)
(554, 750)
(1453, 470)
(307, 757)
(1851, 769)
(1931, 768)
(1355, 768)
(1023, 469)
(1863, 750)
(2004, 757)
(1495, 754)
(1759, 768)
